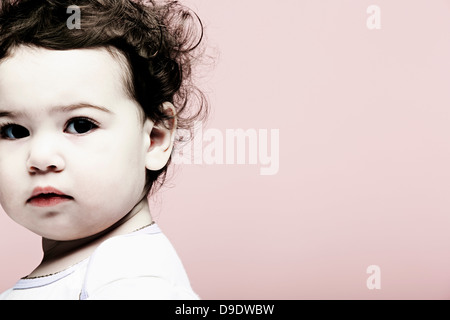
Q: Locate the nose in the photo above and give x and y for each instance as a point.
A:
(44, 156)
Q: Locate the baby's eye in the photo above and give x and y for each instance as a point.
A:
(80, 126)
(13, 132)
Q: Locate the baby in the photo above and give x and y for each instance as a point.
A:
(88, 119)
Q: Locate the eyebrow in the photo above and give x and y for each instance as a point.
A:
(17, 114)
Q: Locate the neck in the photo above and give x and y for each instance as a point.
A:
(62, 254)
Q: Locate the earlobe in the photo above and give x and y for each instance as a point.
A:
(162, 137)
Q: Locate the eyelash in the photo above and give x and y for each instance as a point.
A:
(6, 125)
(95, 124)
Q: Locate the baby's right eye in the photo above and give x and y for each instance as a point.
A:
(13, 132)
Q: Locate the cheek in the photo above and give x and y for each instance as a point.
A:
(10, 178)
(117, 154)
(11, 190)
(116, 164)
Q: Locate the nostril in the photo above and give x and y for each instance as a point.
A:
(50, 168)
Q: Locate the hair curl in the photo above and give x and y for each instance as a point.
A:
(160, 40)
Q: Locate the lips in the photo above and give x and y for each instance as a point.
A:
(47, 197)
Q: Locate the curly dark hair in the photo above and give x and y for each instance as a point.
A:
(160, 40)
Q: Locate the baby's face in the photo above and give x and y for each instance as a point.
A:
(68, 128)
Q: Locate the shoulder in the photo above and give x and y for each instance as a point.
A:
(140, 261)
(149, 254)
(4, 295)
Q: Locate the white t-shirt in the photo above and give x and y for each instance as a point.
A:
(139, 265)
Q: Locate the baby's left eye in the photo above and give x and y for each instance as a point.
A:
(80, 126)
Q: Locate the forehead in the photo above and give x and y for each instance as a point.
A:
(41, 77)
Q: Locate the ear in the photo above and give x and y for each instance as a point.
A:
(162, 138)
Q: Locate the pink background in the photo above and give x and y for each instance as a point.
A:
(364, 174)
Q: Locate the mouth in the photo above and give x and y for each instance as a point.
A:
(47, 197)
